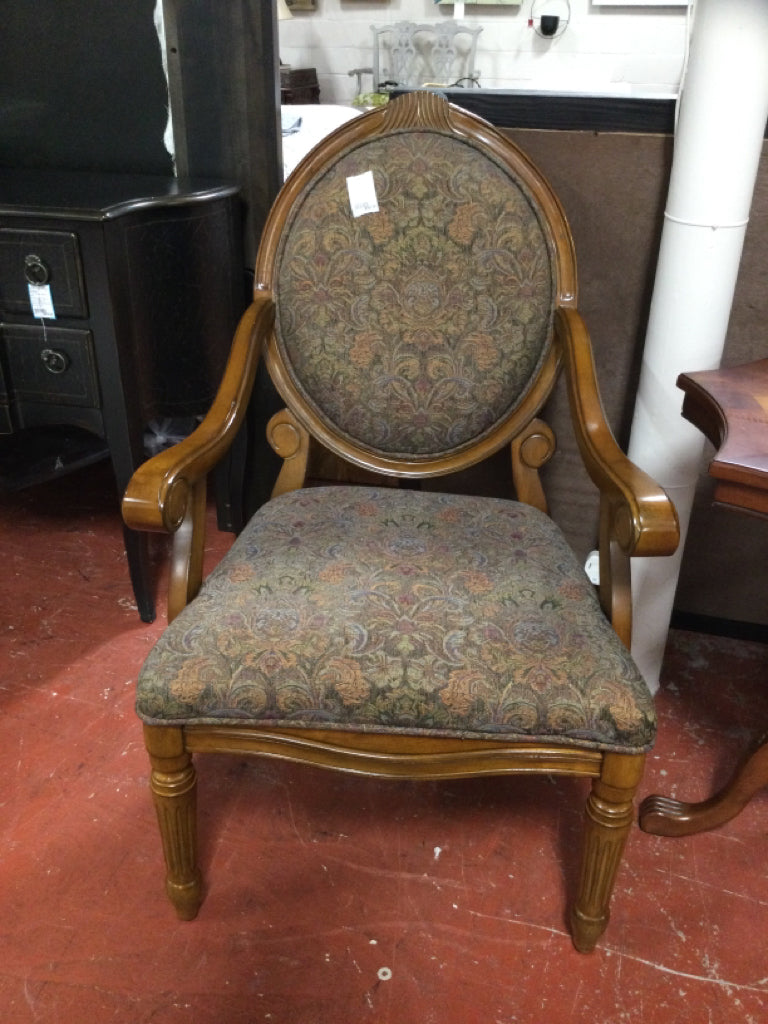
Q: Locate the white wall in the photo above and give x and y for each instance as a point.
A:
(603, 49)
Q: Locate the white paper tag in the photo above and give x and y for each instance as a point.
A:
(362, 194)
(41, 301)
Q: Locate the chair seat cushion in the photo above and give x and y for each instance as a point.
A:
(401, 611)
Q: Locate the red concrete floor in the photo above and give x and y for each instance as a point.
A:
(334, 900)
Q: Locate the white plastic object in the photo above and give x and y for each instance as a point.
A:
(718, 142)
(592, 567)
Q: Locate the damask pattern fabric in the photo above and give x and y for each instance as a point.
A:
(399, 611)
(415, 329)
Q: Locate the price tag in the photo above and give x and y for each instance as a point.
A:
(41, 301)
(362, 194)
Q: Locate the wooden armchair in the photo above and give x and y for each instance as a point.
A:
(399, 631)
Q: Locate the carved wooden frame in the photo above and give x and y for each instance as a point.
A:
(168, 493)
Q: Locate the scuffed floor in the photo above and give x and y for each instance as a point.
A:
(334, 900)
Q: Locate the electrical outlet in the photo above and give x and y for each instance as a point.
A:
(592, 567)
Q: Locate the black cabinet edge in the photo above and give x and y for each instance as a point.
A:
(92, 196)
(568, 111)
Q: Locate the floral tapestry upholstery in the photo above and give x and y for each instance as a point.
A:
(384, 610)
(414, 330)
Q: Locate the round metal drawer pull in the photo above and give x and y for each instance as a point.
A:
(35, 270)
(54, 361)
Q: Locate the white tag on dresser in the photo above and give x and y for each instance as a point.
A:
(41, 301)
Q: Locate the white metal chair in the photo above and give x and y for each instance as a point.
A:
(407, 54)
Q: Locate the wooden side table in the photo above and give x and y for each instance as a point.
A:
(729, 406)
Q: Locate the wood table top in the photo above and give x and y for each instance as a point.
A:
(730, 406)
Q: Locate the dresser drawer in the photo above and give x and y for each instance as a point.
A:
(41, 257)
(54, 365)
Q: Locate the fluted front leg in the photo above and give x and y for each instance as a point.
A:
(609, 817)
(174, 789)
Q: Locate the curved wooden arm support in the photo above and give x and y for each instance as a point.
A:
(186, 570)
(636, 512)
(532, 449)
(615, 574)
(290, 441)
(162, 489)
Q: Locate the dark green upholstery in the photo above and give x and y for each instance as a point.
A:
(399, 611)
(415, 330)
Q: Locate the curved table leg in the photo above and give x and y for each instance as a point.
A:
(663, 816)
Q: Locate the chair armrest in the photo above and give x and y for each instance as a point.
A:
(644, 520)
(159, 491)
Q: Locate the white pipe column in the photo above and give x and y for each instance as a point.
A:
(159, 19)
(722, 118)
